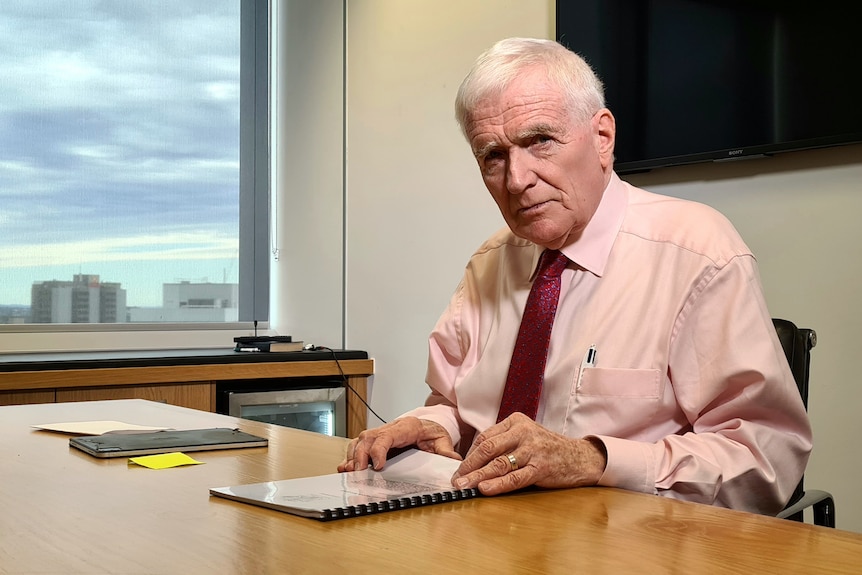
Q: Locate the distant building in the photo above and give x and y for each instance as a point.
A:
(14, 314)
(83, 300)
(185, 301)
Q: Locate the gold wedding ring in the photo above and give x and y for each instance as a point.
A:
(512, 461)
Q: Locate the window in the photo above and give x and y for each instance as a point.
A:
(134, 161)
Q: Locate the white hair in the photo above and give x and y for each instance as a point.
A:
(494, 70)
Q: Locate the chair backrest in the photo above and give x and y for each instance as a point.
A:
(797, 343)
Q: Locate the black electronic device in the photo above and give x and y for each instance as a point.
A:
(252, 339)
(132, 444)
(711, 80)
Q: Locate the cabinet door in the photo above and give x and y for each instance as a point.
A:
(194, 395)
(26, 397)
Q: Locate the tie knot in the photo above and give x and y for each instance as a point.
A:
(551, 264)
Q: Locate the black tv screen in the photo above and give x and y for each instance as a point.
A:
(711, 80)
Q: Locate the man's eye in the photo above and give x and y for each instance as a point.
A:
(492, 157)
(492, 162)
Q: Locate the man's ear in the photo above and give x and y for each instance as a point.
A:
(605, 132)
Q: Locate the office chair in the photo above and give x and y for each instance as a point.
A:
(797, 343)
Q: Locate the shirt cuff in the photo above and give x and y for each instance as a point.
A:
(630, 465)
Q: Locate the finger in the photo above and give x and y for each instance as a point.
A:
(495, 469)
(374, 446)
(361, 447)
(347, 463)
(484, 453)
(510, 482)
(447, 451)
(516, 422)
(489, 434)
(441, 446)
(378, 452)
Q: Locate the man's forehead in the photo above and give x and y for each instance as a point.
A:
(520, 102)
(517, 122)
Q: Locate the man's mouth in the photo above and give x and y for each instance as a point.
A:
(529, 210)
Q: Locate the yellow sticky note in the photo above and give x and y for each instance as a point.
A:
(164, 460)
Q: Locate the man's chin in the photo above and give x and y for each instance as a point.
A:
(545, 238)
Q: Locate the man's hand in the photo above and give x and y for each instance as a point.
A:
(372, 445)
(543, 458)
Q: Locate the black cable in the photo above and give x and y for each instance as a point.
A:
(347, 382)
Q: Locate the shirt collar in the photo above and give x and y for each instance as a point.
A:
(592, 249)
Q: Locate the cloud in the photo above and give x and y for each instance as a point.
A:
(119, 131)
(178, 245)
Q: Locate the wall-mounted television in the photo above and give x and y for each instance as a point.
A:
(715, 80)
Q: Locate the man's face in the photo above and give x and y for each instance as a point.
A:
(546, 171)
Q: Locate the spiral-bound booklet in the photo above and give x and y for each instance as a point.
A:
(412, 479)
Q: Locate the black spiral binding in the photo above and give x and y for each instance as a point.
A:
(396, 504)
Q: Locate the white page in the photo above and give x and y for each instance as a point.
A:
(411, 474)
(97, 427)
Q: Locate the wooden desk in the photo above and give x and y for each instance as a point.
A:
(66, 512)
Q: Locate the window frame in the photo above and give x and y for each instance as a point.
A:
(255, 91)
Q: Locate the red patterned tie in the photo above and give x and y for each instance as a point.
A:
(527, 370)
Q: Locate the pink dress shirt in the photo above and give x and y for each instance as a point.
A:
(690, 391)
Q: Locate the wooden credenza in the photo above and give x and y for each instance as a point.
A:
(188, 378)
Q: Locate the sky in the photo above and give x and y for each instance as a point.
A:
(119, 143)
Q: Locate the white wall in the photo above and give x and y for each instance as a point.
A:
(416, 204)
(307, 278)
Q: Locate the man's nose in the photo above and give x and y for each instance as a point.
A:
(520, 175)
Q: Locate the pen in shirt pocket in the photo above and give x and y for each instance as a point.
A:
(588, 361)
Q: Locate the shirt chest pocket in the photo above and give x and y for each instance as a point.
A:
(619, 382)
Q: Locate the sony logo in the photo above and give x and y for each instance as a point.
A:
(735, 152)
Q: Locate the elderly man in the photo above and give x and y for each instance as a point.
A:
(645, 357)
